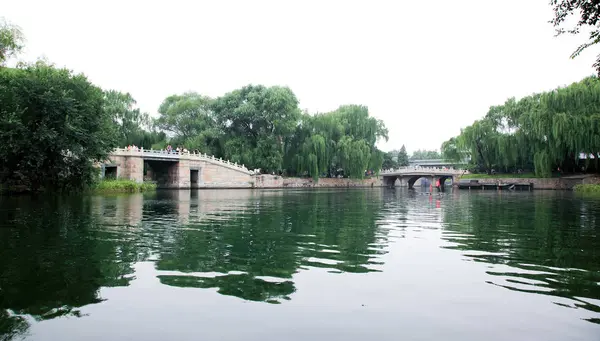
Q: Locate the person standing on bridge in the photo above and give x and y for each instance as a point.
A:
(169, 149)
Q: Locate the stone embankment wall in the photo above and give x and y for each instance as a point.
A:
(274, 181)
(543, 183)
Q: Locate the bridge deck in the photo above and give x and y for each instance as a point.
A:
(174, 156)
(422, 171)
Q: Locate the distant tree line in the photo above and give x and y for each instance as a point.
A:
(399, 158)
(554, 131)
(263, 127)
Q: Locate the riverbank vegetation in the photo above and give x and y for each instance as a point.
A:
(123, 186)
(56, 125)
(587, 188)
(550, 132)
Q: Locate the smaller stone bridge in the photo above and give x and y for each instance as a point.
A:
(409, 175)
(175, 169)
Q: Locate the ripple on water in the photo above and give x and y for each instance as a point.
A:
(57, 257)
(541, 246)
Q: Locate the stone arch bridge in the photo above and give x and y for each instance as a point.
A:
(176, 169)
(409, 175)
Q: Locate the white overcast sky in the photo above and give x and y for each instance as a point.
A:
(427, 68)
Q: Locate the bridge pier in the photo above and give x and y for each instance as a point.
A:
(128, 167)
(179, 174)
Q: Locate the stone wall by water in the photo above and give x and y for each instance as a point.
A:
(274, 181)
(543, 183)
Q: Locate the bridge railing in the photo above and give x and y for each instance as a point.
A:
(174, 154)
(412, 169)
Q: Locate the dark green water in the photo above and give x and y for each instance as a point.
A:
(374, 264)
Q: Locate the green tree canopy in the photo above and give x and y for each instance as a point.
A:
(256, 120)
(53, 127)
(422, 154)
(132, 126)
(403, 157)
(544, 132)
(390, 161)
(189, 118)
(339, 141)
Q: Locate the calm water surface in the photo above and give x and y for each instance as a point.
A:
(374, 264)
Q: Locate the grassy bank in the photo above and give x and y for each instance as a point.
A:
(587, 188)
(123, 186)
(499, 176)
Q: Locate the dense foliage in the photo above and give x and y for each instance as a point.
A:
(52, 127)
(263, 128)
(557, 130)
(132, 126)
(425, 155)
(341, 142)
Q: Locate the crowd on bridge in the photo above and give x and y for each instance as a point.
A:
(169, 150)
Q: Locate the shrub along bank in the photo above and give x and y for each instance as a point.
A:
(123, 186)
(587, 188)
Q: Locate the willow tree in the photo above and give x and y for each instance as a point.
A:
(342, 140)
(354, 156)
(480, 139)
(566, 125)
(545, 131)
(452, 151)
(313, 156)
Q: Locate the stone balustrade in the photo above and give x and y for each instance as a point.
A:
(177, 155)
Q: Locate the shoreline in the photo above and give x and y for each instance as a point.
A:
(562, 183)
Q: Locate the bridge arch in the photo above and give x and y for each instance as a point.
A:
(443, 179)
(390, 181)
(413, 179)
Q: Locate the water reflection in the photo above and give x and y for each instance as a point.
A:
(543, 243)
(56, 254)
(270, 236)
(54, 259)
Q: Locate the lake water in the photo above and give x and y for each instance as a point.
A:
(373, 264)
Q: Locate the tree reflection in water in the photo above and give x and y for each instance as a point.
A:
(542, 243)
(57, 253)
